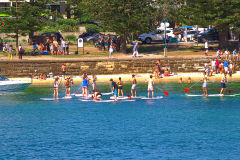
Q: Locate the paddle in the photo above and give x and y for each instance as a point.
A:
(165, 92)
(186, 90)
(129, 96)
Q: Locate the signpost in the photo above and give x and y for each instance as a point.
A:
(80, 44)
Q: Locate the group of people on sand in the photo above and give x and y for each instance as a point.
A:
(52, 46)
(160, 72)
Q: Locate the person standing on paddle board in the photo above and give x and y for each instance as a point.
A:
(134, 86)
(150, 86)
(204, 85)
(114, 89)
(56, 86)
(120, 86)
(223, 84)
(68, 87)
(85, 85)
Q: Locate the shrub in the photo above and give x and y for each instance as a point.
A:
(71, 38)
(70, 22)
(93, 28)
(68, 28)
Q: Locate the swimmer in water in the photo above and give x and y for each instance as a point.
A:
(150, 86)
(134, 86)
(114, 89)
(189, 80)
(223, 85)
(120, 86)
(56, 86)
(204, 85)
(180, 80)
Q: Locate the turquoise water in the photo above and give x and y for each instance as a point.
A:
(175, 127)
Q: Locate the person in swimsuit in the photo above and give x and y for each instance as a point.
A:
(68, 87)
(94, 82)
(204, 85)
(120, 86)
(189, 80)
(64, 69)
(85, 85)
(114, 89)
(97, 95)
(56, 86)
(180, 80)
(150, 86)
(223, 84)
(134, 86)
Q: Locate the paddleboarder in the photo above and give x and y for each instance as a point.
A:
(150, 86)
(114, 89)
(134, 86)
(56, 86)
(120, 86)
(68, 87)
(223, 85)
(204, 85)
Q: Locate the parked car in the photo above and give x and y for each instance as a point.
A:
(93, 37)
(42, 38)
(151, 37)
(210, 35)
(191, 35)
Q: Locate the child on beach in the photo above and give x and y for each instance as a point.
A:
(56, 86)
(150, 86)
(134, 86)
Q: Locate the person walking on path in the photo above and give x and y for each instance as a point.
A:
(206, 48)
(63, 45)
(10, 52)
(135, 49)
(21, 51)
(134, 86)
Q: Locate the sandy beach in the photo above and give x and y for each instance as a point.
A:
(141, 78)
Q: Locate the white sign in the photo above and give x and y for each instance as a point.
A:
(80, 43)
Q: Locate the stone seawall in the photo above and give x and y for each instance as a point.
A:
(26, 68)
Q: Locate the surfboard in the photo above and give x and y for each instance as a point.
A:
(139, 97)
(80, 95)
(154, 98)
(50, 99)
(219, 95)
(106, 94)
(119, 98)
(67, 97)
(194, 95)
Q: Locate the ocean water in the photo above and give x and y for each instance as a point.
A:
(175, 127)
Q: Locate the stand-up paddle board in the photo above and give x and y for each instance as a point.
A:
(67, 97)
(210, 95)
(49, 99)
(154, 98)
(107, 94)
(119, 98)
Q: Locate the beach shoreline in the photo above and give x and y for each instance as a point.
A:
(141, 78)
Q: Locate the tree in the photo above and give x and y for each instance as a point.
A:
(223, 14)
(123, 17)
(24, 19)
